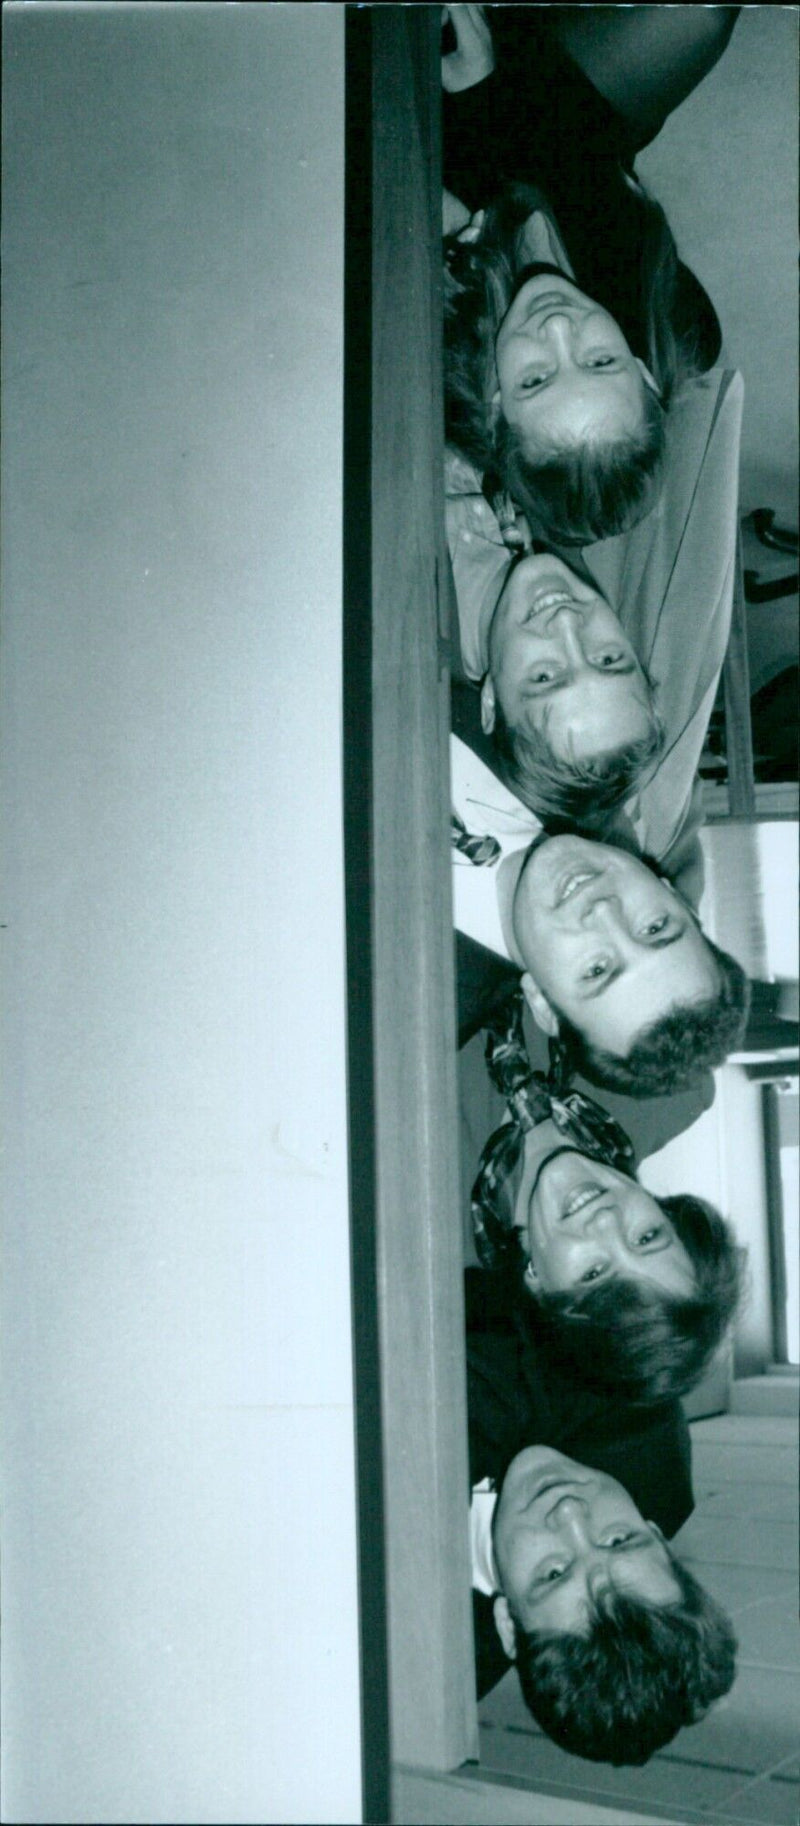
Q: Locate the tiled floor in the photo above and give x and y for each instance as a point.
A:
(740, 1764)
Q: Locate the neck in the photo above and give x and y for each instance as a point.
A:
(508, 875)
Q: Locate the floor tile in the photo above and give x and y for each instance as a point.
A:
(737, 1587)
(728, 1540)
(752, 1728)
(719, 1464)
(770, 1802)
(750, 1500)
(757, 1430)
(669, 1784)
(769, 1634)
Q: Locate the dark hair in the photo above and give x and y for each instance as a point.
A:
(672, 1053)
(644, 1671)
(578, 496)
(582, 793)
(579, 492)
(631, 1338)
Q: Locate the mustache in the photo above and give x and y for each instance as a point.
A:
(533, 271)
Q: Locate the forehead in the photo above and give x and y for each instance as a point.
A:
(653, 984)
(581, 408)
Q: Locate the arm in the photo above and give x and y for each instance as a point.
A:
(645, 60)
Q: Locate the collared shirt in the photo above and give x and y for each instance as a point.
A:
(481, 1512)
(670, 580)
(487, 808)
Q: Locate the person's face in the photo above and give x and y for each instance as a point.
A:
(606, 943)
(586, 1223)
(564, 370)
(563, 1535)
(560, 665)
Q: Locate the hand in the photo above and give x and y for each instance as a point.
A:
(473, 58)
(455, 215)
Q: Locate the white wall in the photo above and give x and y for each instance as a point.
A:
(180, 1621)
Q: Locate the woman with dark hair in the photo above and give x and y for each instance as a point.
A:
(632, 1293)
(570, 323)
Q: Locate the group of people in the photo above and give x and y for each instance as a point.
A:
(591, 474)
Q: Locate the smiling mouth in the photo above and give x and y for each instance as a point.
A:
(552, 597)
(571, 881)
(585, 1194)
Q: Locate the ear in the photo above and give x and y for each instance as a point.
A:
(544, 1016)
(487, 705)
(506, 1630)
(531, 1278)
(654, 1529)
(647, 377)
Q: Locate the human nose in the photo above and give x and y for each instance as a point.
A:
(601, 910)
(601, 1220)
(570, 1513)
(557, 325)
(566, 620)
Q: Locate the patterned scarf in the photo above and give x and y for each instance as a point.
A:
(532, 1098)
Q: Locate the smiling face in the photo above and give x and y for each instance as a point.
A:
(560, 665)
(606, 943)
(565, 372)
(586, 1223)
(564, 1534)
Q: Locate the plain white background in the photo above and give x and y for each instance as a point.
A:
(180, 1607)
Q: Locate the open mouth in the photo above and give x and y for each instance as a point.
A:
(578, 1200)
(571, 881)
(552, 597)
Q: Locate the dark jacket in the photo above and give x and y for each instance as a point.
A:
(538, 120)
(518, 1397)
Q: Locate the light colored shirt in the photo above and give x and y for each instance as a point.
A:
(481, 1511)
(670, 581)
(487, 808)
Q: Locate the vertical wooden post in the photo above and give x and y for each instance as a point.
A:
(433, 1718)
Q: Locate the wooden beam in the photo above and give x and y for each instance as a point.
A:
(736, 687)
(431, 1669)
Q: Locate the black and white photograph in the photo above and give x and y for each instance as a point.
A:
(400, 708)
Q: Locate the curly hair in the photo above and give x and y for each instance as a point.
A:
(577, 496)
(672, 1053)
(582, 794)
(632, 1339)
(642, 1673)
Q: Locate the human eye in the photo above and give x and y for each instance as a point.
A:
(551, 1573)
(652, 1234)
(618, 1535)
(613, 657)
(594, 972)
(664, 922)
(600, 361)
(530, 383)
(591, 1274)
